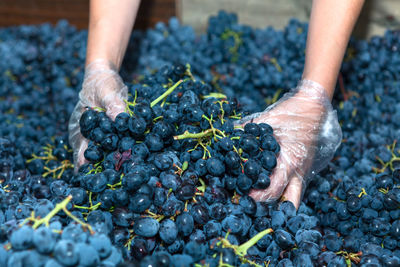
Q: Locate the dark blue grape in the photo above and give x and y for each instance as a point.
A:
(168, 231)
(146, 227)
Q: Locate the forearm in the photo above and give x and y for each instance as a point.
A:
(110, 25)
(330, 27)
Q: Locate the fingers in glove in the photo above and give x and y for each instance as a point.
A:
(79, 157)
(76, 139)
(114, 103)
(279, 180)
(293, 191)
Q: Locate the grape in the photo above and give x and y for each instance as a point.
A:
(132, 181)
(88, 121)
(232, 223)
(185, 191)
(248, 204)
(249, 143)
(137, 126)
(154, 142)
(139, 249)
(102, 244)
(212, 229)
(185, 223)
(268, 160)
(215, 167)
(139, 203)
(44, 240)
(182, 260)
(66, 253)
(22, 238)
(200, 214)
(168, 231)
(88, 256)
(96, 182)
(146, 227)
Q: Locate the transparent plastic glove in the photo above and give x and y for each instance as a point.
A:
(102, 87)
(308, 131)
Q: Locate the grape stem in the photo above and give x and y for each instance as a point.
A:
(166, 93)
(51, 214)
(59, 206)
(186, 135)
(241, 250)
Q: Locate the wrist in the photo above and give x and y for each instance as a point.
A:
(102, 59)
(99, 65)
(323, 77)
(312, 90)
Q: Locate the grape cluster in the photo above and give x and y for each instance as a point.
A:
(173, 160)
(166, 184)
(48, 243)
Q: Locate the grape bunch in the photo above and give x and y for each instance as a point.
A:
(190, 138)
(45, 241)
(176, 158)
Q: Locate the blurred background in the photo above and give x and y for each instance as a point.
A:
(377, 15)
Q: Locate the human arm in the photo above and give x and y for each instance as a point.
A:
(330, 27)
(303, 120)
(110, 25)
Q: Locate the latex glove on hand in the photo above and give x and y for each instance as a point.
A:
(102, 87)
(308, 131)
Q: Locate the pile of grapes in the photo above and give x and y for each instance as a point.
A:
(167, 182)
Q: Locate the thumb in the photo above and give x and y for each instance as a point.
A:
(279, 180)
(293, 190)
(115, 108)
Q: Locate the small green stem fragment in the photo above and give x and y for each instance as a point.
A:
(94, 207)
(73, 217)
(242, 249)
(215, 95)
(166, 93)
(189, 72)
(194, 135)
(99, 109)
(202, 188)
(157, 118)
(185, 165)
(362, 192)
(114, 186)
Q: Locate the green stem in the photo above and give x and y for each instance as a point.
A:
(189, 72)
(202, 188)
(193, 135)
(59, 206)
(73, 217)
(216, 95)
(166, 93)
(185, 165)
(95, 207)
(242, 249)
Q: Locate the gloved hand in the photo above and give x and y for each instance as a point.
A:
(102, 87)
(308, 131)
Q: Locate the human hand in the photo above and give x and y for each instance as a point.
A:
(308, 131)
(102, 87)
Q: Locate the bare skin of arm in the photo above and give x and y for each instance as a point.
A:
(331, 24)
(110, 25)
